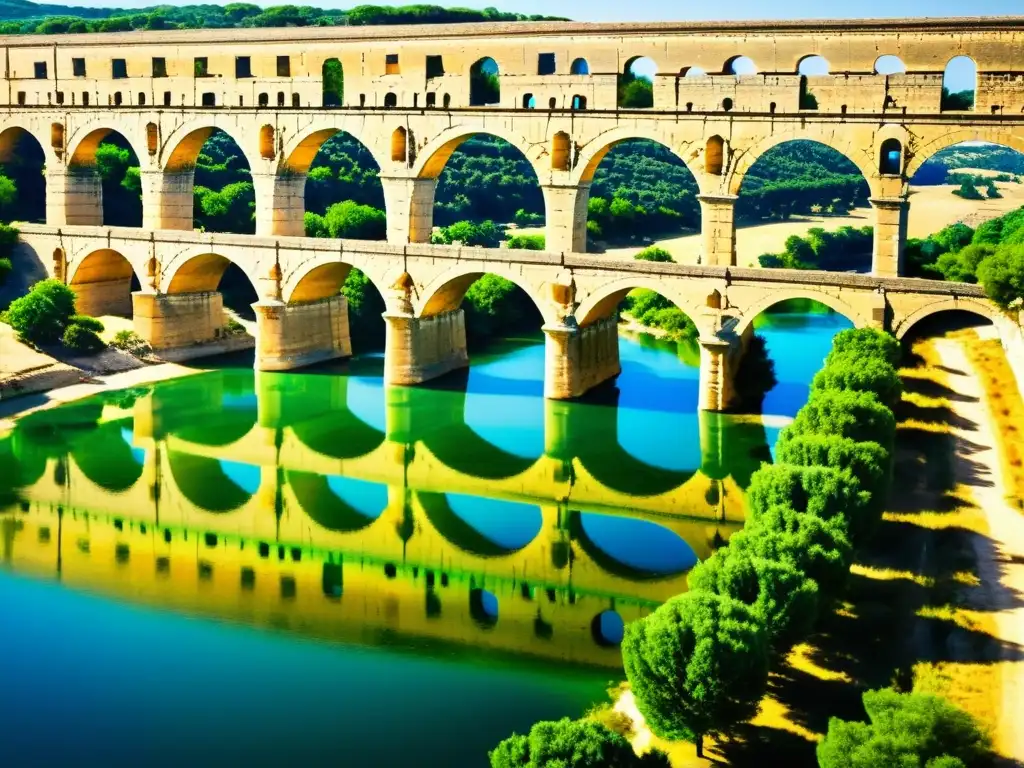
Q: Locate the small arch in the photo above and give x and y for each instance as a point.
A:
(264, 100)
(483, 607)
(142, 99)
(57, 138)
(726, 104)
(636, 83)
(959, 84)
(529, 102)
(267, 142)
(399, 145)
(714, 156)
(552, 103)
(333, 83)
(561, 152)
(118, 99)
(579, 103)
(687, 72)
(887, 64)
(446, 102)
(484, 83)
(579, 67)
(608, 628)
(740, 65)
(280, 98)
(390, 100)
(813, 66)
(296, 101)
(152, 138)
(890, 158)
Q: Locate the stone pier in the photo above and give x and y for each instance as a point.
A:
(74, 196)
(891, 215)
(419, 349)
(718, 361)
(175, 321)
(577, 359)
(295, 335)
(105, 297)
(718, 228)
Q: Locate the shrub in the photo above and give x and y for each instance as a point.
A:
(654, 254)
(131, 342)
(819, 548)
(527, 242)
(82, 339)
(485, 234)
(857, 415)
(856, 373)
(85, 321)
(867, 342)
(1002, 275)
(566, 742)
(43, 313)
(916, 729)
(782, 596)
(697, 665)
(820, 491)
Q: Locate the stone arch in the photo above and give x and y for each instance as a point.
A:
(446, 291)
(744, 158)
(773, 297)
(811, 64)
(315, 281)
(594, 151)
(200, 271)
(103, 281)
(978, 307)
(399, 145)
(301, 148)
(83, 143)
(739, 65)
(482, 90)
(14, 130)
(181, 148)
(92, 200)
(561, 152)
(15, 140)
(991, 134)
(603, 300)
(431, 160)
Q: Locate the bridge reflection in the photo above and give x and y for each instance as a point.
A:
(282, 500)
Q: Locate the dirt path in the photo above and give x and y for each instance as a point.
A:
(1001, 568)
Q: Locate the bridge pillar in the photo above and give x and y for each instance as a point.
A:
(171, 193)
(104, 297)
(717, 370)
(577, 359)
(280, 204)
(891, 215)
(74, 196)
(419, 349)
(174, 320)
(565, 210)
(410, 208)
(294, 335)
(718, 229)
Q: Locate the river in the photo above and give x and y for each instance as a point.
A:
(306, 568)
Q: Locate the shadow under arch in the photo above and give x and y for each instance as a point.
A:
(617, 567)
(325, 507)
(205, 484)
(205, 272)
(461, 534)
(955, 312)
(106, 459)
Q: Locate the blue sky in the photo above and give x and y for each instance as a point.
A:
(673, 10)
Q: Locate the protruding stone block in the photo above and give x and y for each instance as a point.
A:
(419, 349)
(295, 335)
(577, 359)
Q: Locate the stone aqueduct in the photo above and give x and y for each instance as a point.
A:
(408, 98)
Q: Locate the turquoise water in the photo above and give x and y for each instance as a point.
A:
(309, 568)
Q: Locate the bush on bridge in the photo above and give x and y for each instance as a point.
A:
(855, 373)
(779, 593)
(582, 743)
(697, 665)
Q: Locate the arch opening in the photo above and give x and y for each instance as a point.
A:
(22, 176)
(959, 84)
(805, 181)
(631, 548)
(483, 607)
(939, 320)
(579, 66)
(890, 158)
(641, 194)
(106, 171)
(210, 272)
(608, 628)
(813, 66)
(366, 304)
(740, 65)
(103, 283)
(224, 199)
(484, 83)
(333, 93)
(887, 64)
(343, 194)
(973, 181)
(636, 83)
(399, 145)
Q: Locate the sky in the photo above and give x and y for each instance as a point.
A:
(674, 10)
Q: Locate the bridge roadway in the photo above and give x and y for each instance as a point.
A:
(302, 319)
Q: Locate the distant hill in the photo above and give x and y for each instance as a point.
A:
(23, 17)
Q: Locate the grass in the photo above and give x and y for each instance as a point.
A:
(1006, 407)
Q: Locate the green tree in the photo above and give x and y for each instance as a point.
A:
(43, 313)
(857, 373)
(905, 729)
(365, 307)
(1002, 275)
(494, 305)
(577, 743)
(654, 253)
(697, 665)
(358, 222)
(866, 342)
(857, 415)
(485, 234)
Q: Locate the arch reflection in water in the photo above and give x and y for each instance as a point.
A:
(634, 548)
(482, 526)
(608, 628)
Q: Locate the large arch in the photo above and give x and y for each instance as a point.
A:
(83, 143)
(596, 547)
(446, 291)
(977, 307)
(432, 158)
(205, 484)
(776, 296)
(1012, 138)
(206, 271)
(103, 282)
(106, 459)
(101, 183)
(23, 159)
(601, 302)
(594, 151)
